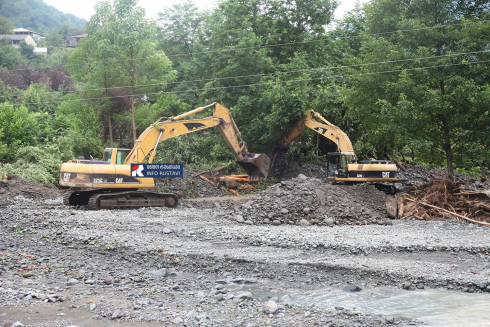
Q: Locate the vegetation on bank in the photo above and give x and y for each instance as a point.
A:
(408, 78)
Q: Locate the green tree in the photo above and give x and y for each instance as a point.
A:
(118, 57)
(436, 110)
(10, 57)
(6, 26)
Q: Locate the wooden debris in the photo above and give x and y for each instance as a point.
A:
(441, 198)
(233, 192)
(199, 174)
(397, 163)
(206, 180)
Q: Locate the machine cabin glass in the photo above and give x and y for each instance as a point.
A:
(121, 156)
(337, 164)
(107, 155)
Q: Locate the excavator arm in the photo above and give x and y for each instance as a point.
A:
(324, 128)
(144, 150)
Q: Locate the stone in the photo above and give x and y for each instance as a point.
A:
(307, 314)
(72, 282)
(352, 288)
(285, 298)
(92, 307)
(251, 280)
(271, 307)
(304, 222)
(248, 222)
(219, 297)
(160, 272)
(329, 221)
(17, 324)
(166, 230)
(276, 222)
(191, 314)
(390, 320)
(27, 275)
(116, 314)
(406, 285)
(339, 308)
(108, 281)
(245, 296)
(239, 218)
(284, 211)
(177, 321)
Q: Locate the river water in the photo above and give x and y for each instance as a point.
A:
(434, 307)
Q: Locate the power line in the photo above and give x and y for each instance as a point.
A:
(255, 84)
(265, 74)
(281, 44)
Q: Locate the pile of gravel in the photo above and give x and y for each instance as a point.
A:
(310, 201)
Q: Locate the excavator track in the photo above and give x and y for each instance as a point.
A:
(66, 198)
(131, 199)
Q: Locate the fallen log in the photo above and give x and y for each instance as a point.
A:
(202, 172)
(206, 180)
(234, 179)
(397, 163)
(450, 212)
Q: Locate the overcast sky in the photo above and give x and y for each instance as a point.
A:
(85, 8)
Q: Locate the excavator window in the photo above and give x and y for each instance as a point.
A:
(121, 156)
(107, 155)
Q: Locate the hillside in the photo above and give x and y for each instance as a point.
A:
(36, 15)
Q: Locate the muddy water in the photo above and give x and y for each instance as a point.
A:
(433, 307)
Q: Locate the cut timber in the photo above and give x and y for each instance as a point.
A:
(206, 180)
(397, 163)
(202, 172)
(234, 179)
(238, 176)
(391, 206)
(452, 213)
(233, 192)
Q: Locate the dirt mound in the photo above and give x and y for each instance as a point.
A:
(310, 201)
(282, 169)
(15, 186)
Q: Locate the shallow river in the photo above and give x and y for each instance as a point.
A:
(433, 307)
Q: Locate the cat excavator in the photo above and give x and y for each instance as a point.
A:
(343, 166)
(107, 183)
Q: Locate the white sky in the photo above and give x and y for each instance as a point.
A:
(85, 8)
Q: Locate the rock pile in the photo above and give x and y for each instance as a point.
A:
(310, 201)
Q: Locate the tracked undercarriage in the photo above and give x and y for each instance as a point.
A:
(118, 199)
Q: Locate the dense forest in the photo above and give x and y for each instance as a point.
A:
(37, 16)
(404, 77)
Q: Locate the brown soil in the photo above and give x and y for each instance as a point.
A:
(17, 186)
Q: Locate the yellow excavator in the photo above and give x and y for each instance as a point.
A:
(343, 166)
(107, 183)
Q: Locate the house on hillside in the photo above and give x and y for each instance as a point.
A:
(73, 40)
(16, 39)
(22, 31)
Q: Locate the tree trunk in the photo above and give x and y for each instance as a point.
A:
(448, 150)
(134, 122)
(110, 129)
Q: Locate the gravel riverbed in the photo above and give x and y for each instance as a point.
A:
(61, 266)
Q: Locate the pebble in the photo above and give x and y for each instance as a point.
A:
(271, 307)
(245, 296)
(352, 288)
(72, 282)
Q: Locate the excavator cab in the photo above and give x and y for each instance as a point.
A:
(337, 164)
(115, 156)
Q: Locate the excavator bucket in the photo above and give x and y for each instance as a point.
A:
(256, 165)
